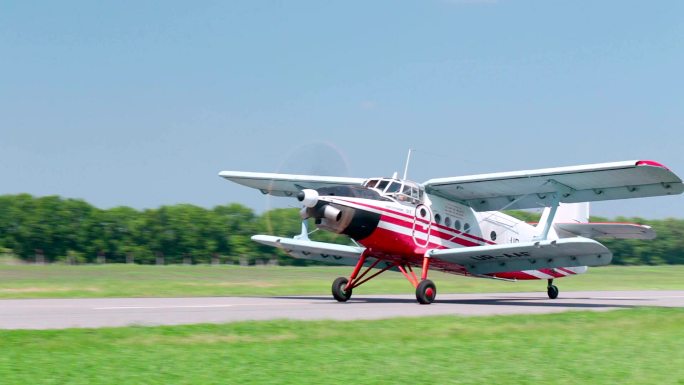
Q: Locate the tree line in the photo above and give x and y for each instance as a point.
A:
(56, 229)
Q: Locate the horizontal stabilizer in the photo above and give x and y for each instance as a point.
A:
(567, 252)
(605, 230)
(315, 251)
(536, 188)
(286, 185)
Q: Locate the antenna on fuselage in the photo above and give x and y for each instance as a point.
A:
(408, 159)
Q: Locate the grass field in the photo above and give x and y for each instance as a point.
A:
(636, 346)
(60, 281)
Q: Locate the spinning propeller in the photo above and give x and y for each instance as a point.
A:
(314, 158)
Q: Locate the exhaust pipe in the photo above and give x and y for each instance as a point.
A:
(322, 211)
(331, 213)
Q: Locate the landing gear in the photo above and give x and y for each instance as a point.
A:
(339, 291)
(552, 290)
(426, 292)
(342, 287)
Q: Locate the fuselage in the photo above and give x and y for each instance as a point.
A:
(401, 223)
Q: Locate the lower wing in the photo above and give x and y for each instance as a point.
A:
(489, 259)
(477, 260)
(315, 251)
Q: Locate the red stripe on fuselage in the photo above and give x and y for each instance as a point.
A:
(433, 224)
(433, 232)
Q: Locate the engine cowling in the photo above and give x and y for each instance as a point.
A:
(337, 217)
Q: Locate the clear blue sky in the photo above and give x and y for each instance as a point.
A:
(142, 103)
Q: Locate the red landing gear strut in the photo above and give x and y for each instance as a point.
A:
(426, 291)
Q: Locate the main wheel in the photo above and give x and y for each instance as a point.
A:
(552, 291)
(338, 291)
(426, 292)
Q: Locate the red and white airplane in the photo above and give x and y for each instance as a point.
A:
(454, 224)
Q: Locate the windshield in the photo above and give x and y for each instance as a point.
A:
(393, 187)
(402, 191)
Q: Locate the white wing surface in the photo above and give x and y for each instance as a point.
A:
(286, 184)
(535, 188)
(567, 252)
(316, 251)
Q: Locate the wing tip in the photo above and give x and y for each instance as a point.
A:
(652, 163)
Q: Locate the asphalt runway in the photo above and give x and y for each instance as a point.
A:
(103, 312)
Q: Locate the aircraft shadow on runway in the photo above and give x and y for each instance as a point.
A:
(509, 301)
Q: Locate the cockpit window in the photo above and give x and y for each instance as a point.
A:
(371, 183)
(393, 187)
(381, 185)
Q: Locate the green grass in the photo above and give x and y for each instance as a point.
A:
(60, 281)
(636, 346)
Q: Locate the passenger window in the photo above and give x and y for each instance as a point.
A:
(466, 228)
(457, 225)
(438, 218)
(492, 235)
(447, 222)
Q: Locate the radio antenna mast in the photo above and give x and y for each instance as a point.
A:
(408, 159)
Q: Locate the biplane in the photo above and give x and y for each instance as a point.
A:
(455, 224)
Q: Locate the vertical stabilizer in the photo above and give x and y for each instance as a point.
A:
(572, 213)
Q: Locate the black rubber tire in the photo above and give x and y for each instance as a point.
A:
(552, 291)
(338, 291)
(426, 292)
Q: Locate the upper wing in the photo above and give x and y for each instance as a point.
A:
(606, 230)
(317, 251)
(535, 188)
(489, 259)
(286, 184)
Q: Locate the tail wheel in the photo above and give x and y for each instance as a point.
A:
(426, 292)
(338, 291)
(552, 291)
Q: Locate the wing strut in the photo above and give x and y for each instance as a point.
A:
(561, 189)
(549, 218)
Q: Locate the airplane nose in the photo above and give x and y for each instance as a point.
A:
(308, 197)
(341, 219)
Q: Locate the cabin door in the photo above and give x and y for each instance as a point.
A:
(422, 224)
